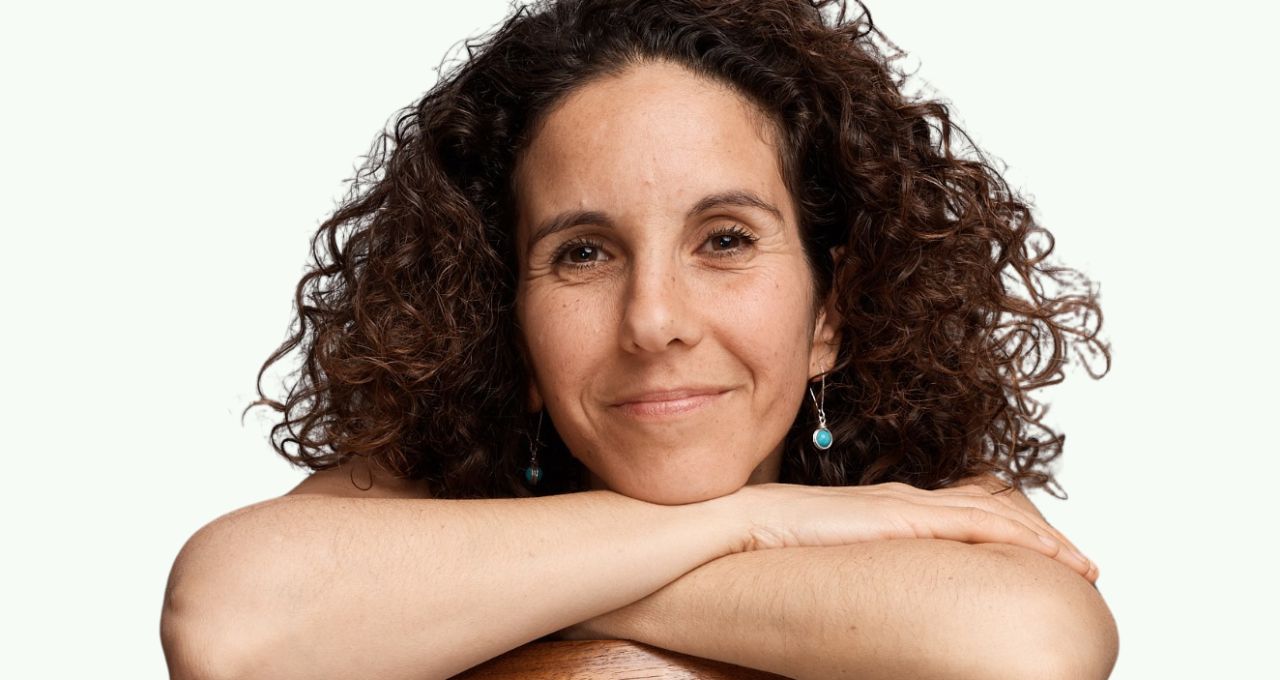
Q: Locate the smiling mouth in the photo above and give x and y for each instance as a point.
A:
(665, 407)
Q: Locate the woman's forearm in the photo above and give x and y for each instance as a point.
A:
(917, 608)
(318, 587)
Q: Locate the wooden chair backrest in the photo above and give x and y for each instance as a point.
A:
(605, 660)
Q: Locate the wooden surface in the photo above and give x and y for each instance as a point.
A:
(605, 660)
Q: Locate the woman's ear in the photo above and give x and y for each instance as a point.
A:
(826, 342)
(826, 329)
(535, 397)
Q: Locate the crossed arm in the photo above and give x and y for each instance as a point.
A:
(918, 608)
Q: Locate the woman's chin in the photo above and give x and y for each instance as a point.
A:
(677, 494)
(678, 478)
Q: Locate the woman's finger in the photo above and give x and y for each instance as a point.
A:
(1007, 501)
(1066, 553)
(1034, 516)
(975, 524)
(972, 524)
(1039, 520)
(1057, 545)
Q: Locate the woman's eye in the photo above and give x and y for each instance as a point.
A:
(725, 241)
(730, 240)
(579, 253)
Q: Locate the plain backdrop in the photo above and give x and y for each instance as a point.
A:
(164, 166)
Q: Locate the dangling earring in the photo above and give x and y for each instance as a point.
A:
(533, 473)
(822, 436)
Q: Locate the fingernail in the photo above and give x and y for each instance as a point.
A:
(1048, 541)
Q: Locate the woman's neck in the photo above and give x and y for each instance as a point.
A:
(768, 471)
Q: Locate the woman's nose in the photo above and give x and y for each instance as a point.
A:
(657, 309)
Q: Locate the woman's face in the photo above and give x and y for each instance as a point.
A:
(665, 300)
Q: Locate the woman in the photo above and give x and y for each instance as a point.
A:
(671, 321)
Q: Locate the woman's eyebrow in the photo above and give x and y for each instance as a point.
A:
(572, 218)
(736, 197)
(569, 218)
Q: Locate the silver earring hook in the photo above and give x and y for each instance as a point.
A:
(820, 404)
(536, 443)
(822, 437)
(533, 473)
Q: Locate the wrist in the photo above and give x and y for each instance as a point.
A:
(729, 516)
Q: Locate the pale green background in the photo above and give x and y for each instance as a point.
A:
(164, 164)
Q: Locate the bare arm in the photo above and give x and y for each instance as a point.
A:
(943, 606)
(918, 608)
(401, 587)
(318, 587)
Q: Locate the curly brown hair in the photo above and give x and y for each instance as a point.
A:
(951, 311)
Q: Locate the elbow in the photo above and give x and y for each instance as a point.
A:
(1068, 632)
(1079, 636)
(195, 648)
(212, 626)
(191, 655)
(1055, 624)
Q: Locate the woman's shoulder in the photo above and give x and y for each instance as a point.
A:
(357, 478)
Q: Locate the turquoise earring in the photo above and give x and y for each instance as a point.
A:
(822, 437)
(533, 473)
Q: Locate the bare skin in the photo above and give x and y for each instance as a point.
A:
(685, 511)
(258, 592)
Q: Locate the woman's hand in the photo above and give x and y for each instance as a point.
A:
(786, 515)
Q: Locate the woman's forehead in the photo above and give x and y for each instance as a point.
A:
(656, 137)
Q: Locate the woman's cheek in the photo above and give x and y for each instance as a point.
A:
(769, 298)
(570, 332)
(775, 329)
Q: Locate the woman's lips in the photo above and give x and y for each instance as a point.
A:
(660, 406)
